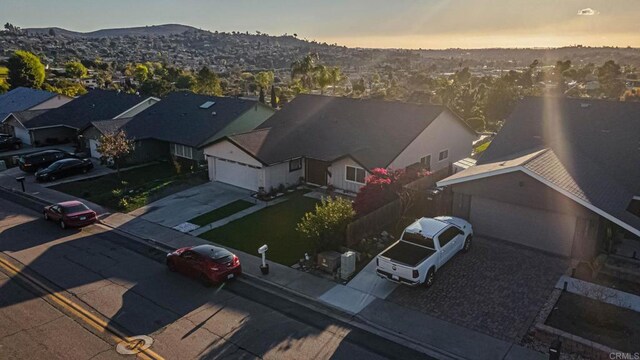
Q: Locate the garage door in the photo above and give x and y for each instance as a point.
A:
(545, 230)
(93, 147)
(237, 174)
(23, 135)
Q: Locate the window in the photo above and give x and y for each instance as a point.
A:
(444, 154)
(448, 235)
(183, 151)
(426, 161)
(355, 174)
(295, 164)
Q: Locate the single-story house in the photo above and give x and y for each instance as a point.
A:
(179, 124)
(556, 177)
(25, 99)
(61, 125)
(336, 141)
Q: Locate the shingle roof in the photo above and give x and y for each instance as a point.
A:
(25, 116)
(592, 150)
(373, 132)
(179, 118)
(110, 126)
(95, 105)
(20, 99)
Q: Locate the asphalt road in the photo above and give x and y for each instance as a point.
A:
(108, 287)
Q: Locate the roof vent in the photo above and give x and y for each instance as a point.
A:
(207, 105)
(214, 113)
(585, 105)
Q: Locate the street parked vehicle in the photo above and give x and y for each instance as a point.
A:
(210, 264)
(63, 168)
(70, 214)
(39, 160)
(9, 142)
(424, 247)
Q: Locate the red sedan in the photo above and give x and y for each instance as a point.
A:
(70, 214)
(210, 264)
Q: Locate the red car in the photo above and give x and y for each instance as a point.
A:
(70, 214)
(210, 264)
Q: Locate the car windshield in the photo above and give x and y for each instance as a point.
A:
(418, 239)
(74, 208)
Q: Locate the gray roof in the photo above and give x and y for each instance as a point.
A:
(25, 116)
(95, 105)
(110, 126)
(179, 118)
(372, 132)
(20, 99)
(589, 149)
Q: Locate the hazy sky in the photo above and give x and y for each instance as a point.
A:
(365, 23)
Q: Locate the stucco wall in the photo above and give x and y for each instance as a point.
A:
(338, 178)
(444, 133)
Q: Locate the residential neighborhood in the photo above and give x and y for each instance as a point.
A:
(235, 196)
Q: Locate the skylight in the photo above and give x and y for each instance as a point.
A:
(207, 105)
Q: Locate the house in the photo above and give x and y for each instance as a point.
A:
(61, 125)
(179, 124)
(336, 141)
(559, 174)
(25, 99)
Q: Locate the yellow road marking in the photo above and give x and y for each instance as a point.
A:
(87, 317)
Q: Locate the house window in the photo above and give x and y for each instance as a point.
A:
(426, 161)
(183, 151)
(355, 174)
(444, 154)
(295, 164)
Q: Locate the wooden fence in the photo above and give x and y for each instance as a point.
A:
(389, 214)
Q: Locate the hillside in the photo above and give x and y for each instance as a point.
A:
(154, 30)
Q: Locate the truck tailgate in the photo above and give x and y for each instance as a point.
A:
(396, 270)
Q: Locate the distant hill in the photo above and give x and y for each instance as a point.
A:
(154, 30)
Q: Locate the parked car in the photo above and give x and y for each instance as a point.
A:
(424, 247)
(210, 264)
(10, 143)
(70, 214)
(36, 161)
(63, 168)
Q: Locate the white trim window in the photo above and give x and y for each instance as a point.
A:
(444, 154)
(183, 151)
(354, 174)
(295, 164)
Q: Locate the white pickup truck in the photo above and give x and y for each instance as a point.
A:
(424, 247)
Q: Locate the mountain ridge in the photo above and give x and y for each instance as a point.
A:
(151, 30)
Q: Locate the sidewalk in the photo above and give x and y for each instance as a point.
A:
(448, 339)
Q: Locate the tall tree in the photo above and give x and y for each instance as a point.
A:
(304, 69)
(75, 69)
(185, 81)
(141, 73)
(4, 86)
(609, 75)
(335, 76)
(207, 82)
(322, 77)
(25, 69)
(264, 79)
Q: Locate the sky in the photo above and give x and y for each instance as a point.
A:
(426, 24)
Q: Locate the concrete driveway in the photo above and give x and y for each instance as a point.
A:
(496, 288)
(9, 176)
(181, 207)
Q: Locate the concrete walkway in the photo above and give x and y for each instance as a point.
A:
(450, 340)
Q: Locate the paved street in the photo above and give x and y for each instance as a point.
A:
(128, 287)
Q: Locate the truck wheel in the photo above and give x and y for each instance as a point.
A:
(431, 277)
(467, 243)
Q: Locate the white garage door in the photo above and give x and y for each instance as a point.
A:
(545, 230)
(237, 174)
(93, 147)
(23, 135)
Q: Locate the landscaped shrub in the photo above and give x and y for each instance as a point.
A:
(382, 187)
(326, 225)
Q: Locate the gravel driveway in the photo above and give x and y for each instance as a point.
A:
(496, 288)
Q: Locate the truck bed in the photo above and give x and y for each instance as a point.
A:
(407, 254)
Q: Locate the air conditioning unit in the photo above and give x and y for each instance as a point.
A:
(329, 261)
(347, 265)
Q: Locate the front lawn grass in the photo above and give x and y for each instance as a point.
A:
(138, 187)
(603, 323)
(221, 212)
(274, 226)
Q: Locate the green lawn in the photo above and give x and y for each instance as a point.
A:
(139, 186)
(274, 226)
(221, 212)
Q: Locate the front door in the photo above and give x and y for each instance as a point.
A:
(316, 172)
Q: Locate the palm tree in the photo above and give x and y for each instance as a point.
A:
(322, 77)
(304, 68)
(335, 76)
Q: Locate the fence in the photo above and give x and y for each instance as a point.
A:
(390, 213)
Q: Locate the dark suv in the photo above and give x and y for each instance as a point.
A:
(32, 162)
(8, 142)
